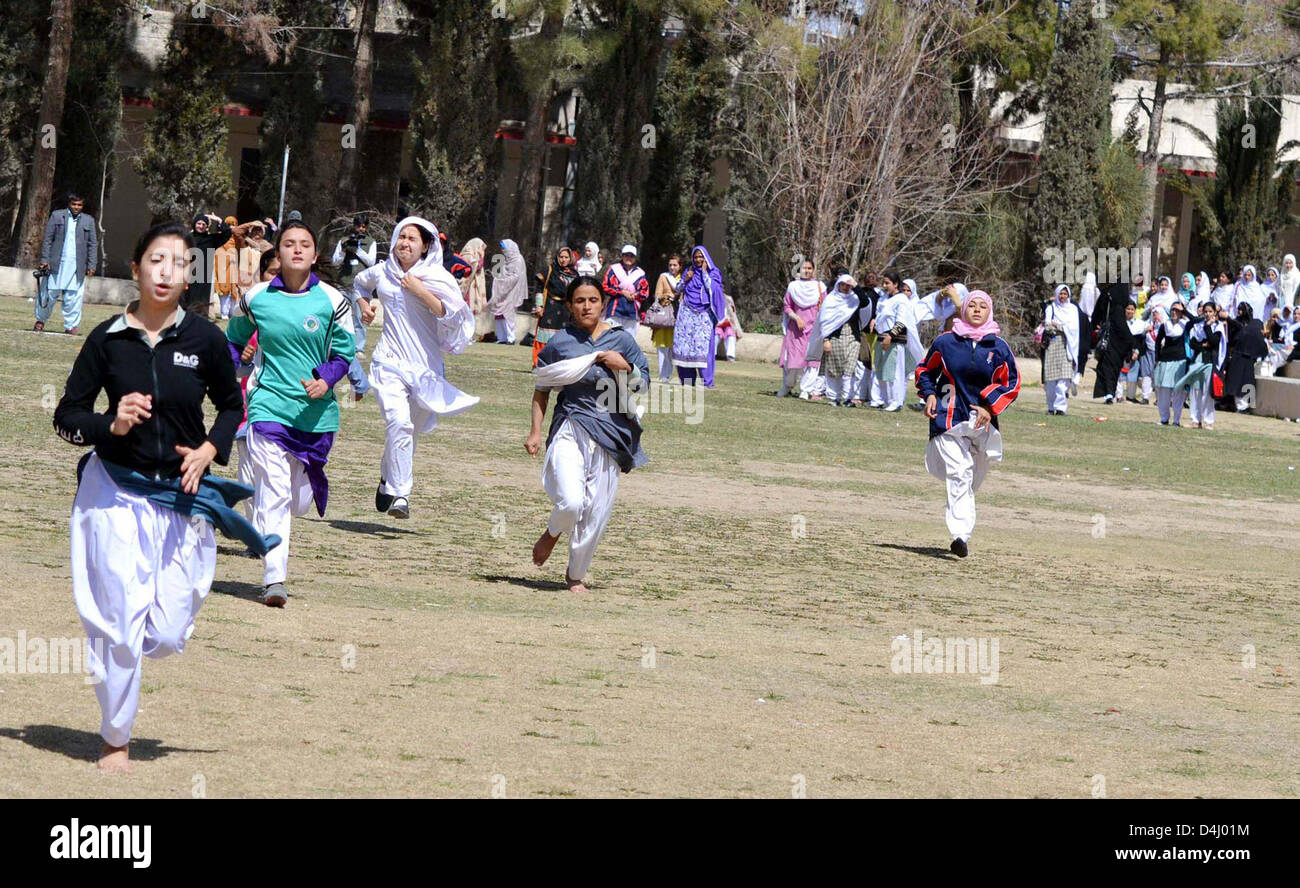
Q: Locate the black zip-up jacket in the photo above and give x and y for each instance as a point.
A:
(190, 360)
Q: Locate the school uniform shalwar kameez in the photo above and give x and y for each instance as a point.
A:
(407, 373)
(594, 435)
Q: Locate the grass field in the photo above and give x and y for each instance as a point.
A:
(1127, 572)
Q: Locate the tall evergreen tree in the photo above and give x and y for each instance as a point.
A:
(21, 63)
(183, 161)
(1245, 208)
(1076, 134)
(616, 135)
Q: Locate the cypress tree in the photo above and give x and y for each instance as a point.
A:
(1076, 133)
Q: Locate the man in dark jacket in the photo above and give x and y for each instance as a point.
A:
(69, 253)
(209, 233)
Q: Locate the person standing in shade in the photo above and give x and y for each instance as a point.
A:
(69, 254)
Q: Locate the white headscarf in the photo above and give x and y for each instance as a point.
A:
(474, 286)
(908, 315)
(805, 294)
(1249, 292)
(1088, 293)
(1067, 317)
(510, 283)
(589, 264)
(837, 308)
(931, 308)
(1288, 281)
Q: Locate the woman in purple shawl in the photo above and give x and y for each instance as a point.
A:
(702, 306)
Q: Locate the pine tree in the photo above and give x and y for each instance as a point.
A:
(183, 161)
(1076, 133)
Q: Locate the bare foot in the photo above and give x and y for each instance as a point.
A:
(543, 547)
(575, 585)
(114, 760)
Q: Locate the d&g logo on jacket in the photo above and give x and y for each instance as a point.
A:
(180, 360)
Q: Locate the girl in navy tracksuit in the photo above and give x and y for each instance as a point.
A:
(967, 379)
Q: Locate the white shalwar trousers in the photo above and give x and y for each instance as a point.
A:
(244, 474)
(281, 492)
(403, 414)
(665, 353)
(581, 479)
(812, 383)
(1167, 398)
(729, 347)
(140, 573)
(1058, 393)
(860, 380)
(1201, 404)
(960, 457)
(839, 387)
(506, 330)
(893, 390)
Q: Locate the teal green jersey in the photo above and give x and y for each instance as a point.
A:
(300, 336)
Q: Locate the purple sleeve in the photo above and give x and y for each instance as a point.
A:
(332, 370)
(236, 353)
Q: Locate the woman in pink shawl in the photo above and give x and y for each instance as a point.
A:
(702, 307)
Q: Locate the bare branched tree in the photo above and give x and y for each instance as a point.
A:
(855, 146)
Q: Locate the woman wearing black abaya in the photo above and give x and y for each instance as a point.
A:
(1115, 343)
(1246, 345)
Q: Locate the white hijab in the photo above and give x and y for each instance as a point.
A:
(1088, 293)
(589, 264)
(412, 334)
(837, 308)
(1288, 281)
(1249, 292)
(909, 316)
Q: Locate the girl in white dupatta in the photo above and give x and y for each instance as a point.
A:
(1248, 291)
(473, 287)
(589, 264)
(424, 318)
(1061, 357)
(509, 290)
(799, 308)
(1289, 282)
(837, 327)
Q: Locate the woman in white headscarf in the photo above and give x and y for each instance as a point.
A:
(1064, 348)
(799, 307)
(838, 327)
(1289, 282)
(509, 290)
(424, 318)
(589, 264)
(1201, 296)
(1248, 291)
(1271, 285)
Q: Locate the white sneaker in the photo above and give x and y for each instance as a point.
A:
(803, 396)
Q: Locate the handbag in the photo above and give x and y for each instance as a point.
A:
(659, 316)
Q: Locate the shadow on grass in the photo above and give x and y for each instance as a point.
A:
(85, 745)
(246, 591)
(383, 531)
(527, 582)
(932, 551)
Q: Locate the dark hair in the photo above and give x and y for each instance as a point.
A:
(583, 280)
(162, 229)
(1244, 308)
(73, 197)
(360, 219)
(895, 277)
(268, 256)
(289, 226)
(677, 256)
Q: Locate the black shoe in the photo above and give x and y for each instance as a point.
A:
(274, 595)
(400, 508)
(958, 547)
(382, 500)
